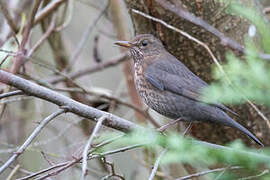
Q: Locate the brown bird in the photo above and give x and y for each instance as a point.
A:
(170, 88)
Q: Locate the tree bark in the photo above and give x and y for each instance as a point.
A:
(197, 58)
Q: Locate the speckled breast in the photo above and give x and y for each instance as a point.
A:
(154, 98)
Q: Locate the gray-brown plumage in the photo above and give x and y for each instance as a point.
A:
(170, 88)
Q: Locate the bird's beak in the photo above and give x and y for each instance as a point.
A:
(123, 44)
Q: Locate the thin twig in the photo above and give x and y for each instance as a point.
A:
(12, 93)
(65, 163)
(112, 170)
(15, 99)
(171, 123)
(70, 5)
(20, 169)
(31, 138)
(207, 172)
(46, 11)
(108, 63)
(13, 172)
(84, 38)
(4, 60)
(157, 164)
(72, 163)
(10, 21)
(88, 145)
(43, 38)
(266, 171)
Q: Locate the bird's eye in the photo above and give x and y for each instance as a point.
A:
(144, 43)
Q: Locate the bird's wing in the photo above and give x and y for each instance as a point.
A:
(177, 78)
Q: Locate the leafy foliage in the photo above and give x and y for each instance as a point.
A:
(187, 150)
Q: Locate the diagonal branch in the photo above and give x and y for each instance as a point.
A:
(88, 145)
(61, 100)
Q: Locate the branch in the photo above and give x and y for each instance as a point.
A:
(46, 11)
(108, 63)
(75, 107)
(266, 171)
(66, 163)
(157, 164)
(111, 98)
(84, 38)
(19, 59)
(11, 23)
(88, 145)
(12, 93)
(207, 172)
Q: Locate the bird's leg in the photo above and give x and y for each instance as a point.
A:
(166, 126)
(188, 128)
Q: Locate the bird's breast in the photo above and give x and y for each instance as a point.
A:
(153, 97)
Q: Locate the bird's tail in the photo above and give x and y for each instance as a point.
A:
(230, 122)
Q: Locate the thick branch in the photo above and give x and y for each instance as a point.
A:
(61, 100)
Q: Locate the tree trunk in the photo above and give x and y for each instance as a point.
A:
(197, 58)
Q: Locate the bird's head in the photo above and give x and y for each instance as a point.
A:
(142, 45)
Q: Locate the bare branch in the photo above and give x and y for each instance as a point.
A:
(12, 93)
(112, 98)
(7, 15)
(84, 38)
(88, 145)
(13, 172)
(66, 163)
(157, 164)
(61, 100)
(9, 19)
(109, 63)
(45, 12)
(207, 172)
(112, 169)
(266, 171)
(43, 38)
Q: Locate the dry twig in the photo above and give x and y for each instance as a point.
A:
(88, 145)
(207, 172)
(157, 164)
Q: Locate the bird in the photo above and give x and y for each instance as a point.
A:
(167, 86)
